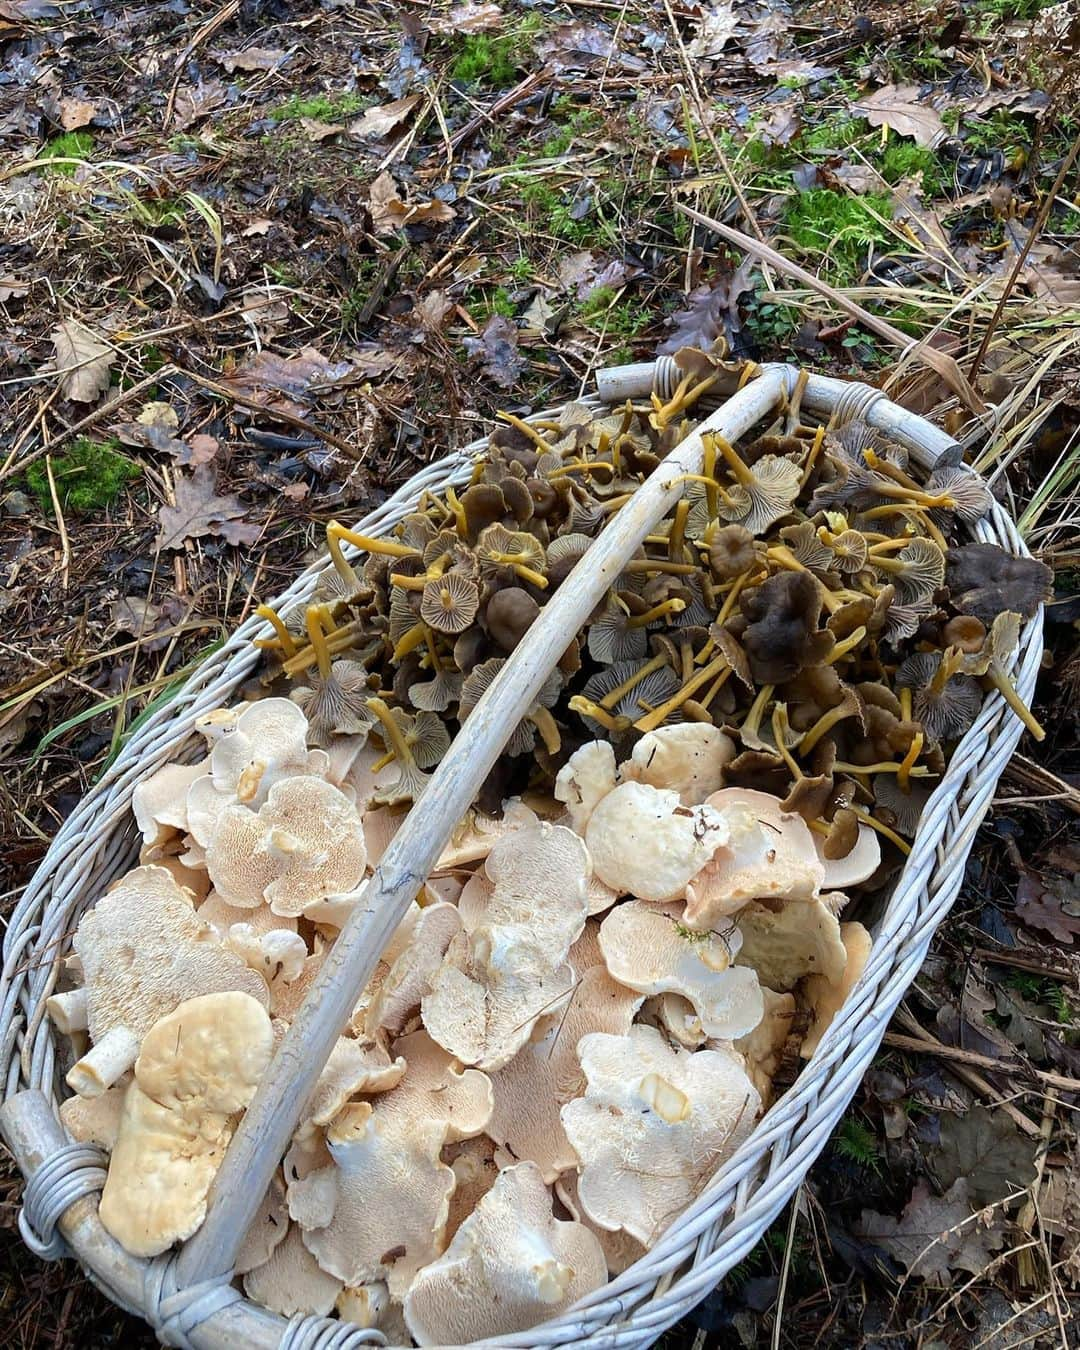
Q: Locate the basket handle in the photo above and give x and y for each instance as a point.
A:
(269, 1122)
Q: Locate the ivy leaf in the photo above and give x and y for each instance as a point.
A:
(985, 1148)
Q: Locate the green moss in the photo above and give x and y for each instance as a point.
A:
(71, 145)
(88, 476)
(837, 229)
(1002, 130)
(521, 269)
(858, 1143)
(902, 159)
(837, 131)
(320, 107)
(494, 61)
(1007, 10)
(577, 125)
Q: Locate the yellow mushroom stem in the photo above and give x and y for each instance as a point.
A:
(433, 655)
(867, 819)
(397, 747)
(613, 695)
(657, 716)
(678, 530)
(905, 704)
(779, 731)
(342, 566)
(739, 469)
(812, 456)
(1005, 687)
(686, 658)
(548, 728)
(752, 720)
(743, 580)
(617, 725)
(914, 514)
(824, 725)
(284, 637)
(587, 467)
(886, 766)
(612, 504)
(715, 687)
(417, 583)
(658, 565)
(951, 663)
(712, 497)
(337, 641)
(847, 646)
(889, 546)
(879, 465)
(522, 569)
(409, 641)
(783, 557)
(461, 521)
(390, 547)
(908, 762)
(533, 435)
(916, 495)
(313, 621)
(684, 397)
(660, 611)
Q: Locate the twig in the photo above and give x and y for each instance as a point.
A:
(1019, 961)
(954, 1052)
(210, 27)
(65, 542)
(1028, 773)
(785, 1270)
(276, 414)
(1021, 257)
(1029, 1211)
(512, 96)
(943, 365)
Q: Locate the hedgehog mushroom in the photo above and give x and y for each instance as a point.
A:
(651, 950)
(160, 802)
(587, 776)
(359, 1222)
(653, 1125)
(291, 1282)
(763, 1048)
(255, 745)
(500, 976)
(197, 1068)
(688, 758)
(510, 1265)
(784, 944)
(143, 951)
(827, 996)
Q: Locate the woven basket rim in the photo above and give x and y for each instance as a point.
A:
(635, 1307)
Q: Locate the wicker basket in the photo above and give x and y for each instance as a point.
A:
(193, 1304)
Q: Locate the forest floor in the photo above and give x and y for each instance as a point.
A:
(261, 261)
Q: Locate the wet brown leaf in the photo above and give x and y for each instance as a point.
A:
(291, 383)
(155, 428)
(714, 31)
(986, 1150)
(497, 347)
(252, 58)
(935, 1235)
(13, 288)
(389, 213)
(321, 131)
(83, 362)
(381, 121)
(1052, 905)
(75, 113)
(897, 107)
(200, 511)
(711, 312)
(468, 18)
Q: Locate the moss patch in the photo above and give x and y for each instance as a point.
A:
(71, 145)
(88, 476)
(838, 228)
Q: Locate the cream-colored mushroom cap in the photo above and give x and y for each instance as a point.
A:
(159, 802)
(786, 942)
(511, 1265)
(379, 1211)
(291, 1281)
(644, 842)
(94, 1120)
(501, 976)
(267, 1230)
(306, 842)
(763, 1048)
(254, 745)
(477, 834)
(410, 976)
(354, 1067)
(653, 951)
(862, 861)
(827, 997)
(653, 1126)
(546, 1074)
(769, 854)
(688, 758)
(276, 953)
(143, 951)
(620, 1249)
(586, 777)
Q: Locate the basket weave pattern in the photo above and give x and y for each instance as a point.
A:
(98, 843)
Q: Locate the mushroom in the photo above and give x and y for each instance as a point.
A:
(304, 843)
(984, 580)
(353, 1067)
(860, 861)
(943, 699)
(763, 1048)
(415, 742)
(786, 943)
(732, 552)
(827, 996)
(411, 975)
(653, 1125)
(255, 745)
(477, 834)
(510, 1265)
(291, 1282)
(267, 1230)
(762, 493)
(688, 758)
(587, 776)
(499, 977)
(530, 1090)
(653, 951)
(917, 571)
(992, 661)
(620, 1249)
(769, 853)
(643, 841)
(510, 613)
(360, 1222)
(143, 951)
(335, 701)
(94, 1120)
(197, 1068)
(160, 802)
(783, 634)
(475, 1163)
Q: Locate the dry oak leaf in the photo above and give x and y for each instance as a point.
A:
(390, 213)
(83, 362)
(378, 122)
(935, 1235)
(715, 30)
(897, 106)
(75, 113)
(200, 511)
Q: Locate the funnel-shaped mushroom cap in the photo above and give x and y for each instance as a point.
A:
(826, 997)
(587, 775)
(545, 1074)
(143, 951)
(783, 636)
(306, 842)
(860, 862)
(160, 801)
(688, 758)
(763, 1048)
(255, 744)
(378, 1212)
(291, 1282)
(653, 951)
(503, 974)
(985, 580)
(653, 1126)
(511, 1265)
(785, 944)
(769, 854)
(644, 842)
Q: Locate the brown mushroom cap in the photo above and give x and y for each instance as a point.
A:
(731, 552)
(509, 615)
(783, 634)
(984, 580)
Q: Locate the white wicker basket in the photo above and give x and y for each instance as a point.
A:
(192, 1305)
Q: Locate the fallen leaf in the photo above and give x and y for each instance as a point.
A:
(711, 312)
(987, 1150)
(75, 113)
(381, 121)
(781, 126)
(252, 58)
(321, 131)
(857, 178)
(433, 309)
(29, 9)
(268, 313)
(579, 46)
(194, 102)
(199, 449)
(935, 1235)
(200, 511)
(292, 383)
(497, 346)
(259, 226)
(468, 18)
(896, 106)
(1055, 909)
(82, 361)
(390, 213)
(13, 288)
(1016, 100)
(715, 30)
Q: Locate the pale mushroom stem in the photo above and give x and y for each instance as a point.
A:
(416, 635)
(526, 430)
(678, 530)
(908, 762)
(848, 645)
(882, 466)
(107, 1060)
(684, 397)
(390, 547)
(548, 728)
(780, 727)
(660, 611)
(659, 715)
(1005, 687)
(752, 720)
(285, 638)
(824, 725)
(313, 621)
(613, 503)
(616, 725)
(342, 566)
(613, 695)
(69, 1011)
(397, 747)
(433, 655)
(586, 467)
(741, 581)
(882, 829)
(916, 495)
